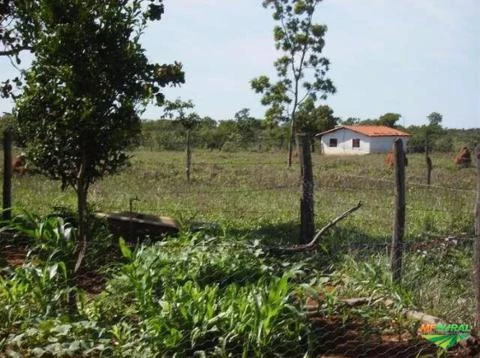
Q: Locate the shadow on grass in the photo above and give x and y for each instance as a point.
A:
(288, 233)
(332, 245)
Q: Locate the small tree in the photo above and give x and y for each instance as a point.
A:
(248, 128)
(389, 119)
(435, 119)
(301, 69)
(87, 84)
(178, 109)
(431, 130)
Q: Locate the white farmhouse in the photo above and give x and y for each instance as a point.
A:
(360, 139)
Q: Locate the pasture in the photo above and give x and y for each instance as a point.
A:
(247, 189)
(252, 198)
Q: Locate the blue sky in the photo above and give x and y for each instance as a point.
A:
(412, 57)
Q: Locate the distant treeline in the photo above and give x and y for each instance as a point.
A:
(259, 135)
(229, 135)
(247, 133)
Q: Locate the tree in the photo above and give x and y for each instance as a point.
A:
(188, 121)
(312, 120)
(389, 119)
(351, 121)
(16, 26)
(435, 119)
(433, 130)
(248, 127)
(206, 133)
(301, 69)
(88, 83)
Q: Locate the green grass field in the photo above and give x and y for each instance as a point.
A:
(251, 191)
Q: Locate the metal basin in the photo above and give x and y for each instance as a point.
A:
(133, 225)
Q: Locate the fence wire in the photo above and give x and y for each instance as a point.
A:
(222, 288)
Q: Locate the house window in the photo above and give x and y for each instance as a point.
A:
(333, 142)
(356, 143)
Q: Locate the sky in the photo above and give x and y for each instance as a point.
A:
(411, 57)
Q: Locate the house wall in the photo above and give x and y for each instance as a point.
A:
(385, 144)
(344, 142)
(367, 144)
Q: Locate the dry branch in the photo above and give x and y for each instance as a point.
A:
(312, 244)
(313, 310)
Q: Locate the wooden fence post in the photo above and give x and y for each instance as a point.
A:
(7, 174)
(189, 157)
(428, 161)
(477, 240)
(307, 219)
(399, 220)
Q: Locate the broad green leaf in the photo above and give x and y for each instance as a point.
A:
(126, 252)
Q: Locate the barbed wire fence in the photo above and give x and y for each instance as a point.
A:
(421, 262)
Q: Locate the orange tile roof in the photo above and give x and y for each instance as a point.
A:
(371, 131)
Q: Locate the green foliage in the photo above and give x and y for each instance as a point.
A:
(204, 294)
(57, 337)
(79, 110)
(79, 113)
(431, 136)
(178, 110)
(301, 69)
(312, 120)
(40, 288)
(368, 278)
(389, 119)
(243, 132)
(438, 275)
(434, 119)
(218, 293)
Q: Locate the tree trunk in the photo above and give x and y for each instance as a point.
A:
(307, 217)
(7, 174)
(82, 193)
(81, 245)
(291, 141)
(428, 161)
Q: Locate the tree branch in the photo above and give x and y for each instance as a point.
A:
(14, 51)
(312, 244)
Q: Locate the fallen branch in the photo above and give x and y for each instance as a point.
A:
(312, 310)
(312, 244)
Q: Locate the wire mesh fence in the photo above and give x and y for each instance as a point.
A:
(219, 287)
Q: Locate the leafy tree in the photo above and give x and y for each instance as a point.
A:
(312, 120)
(178, 109)
(430, 136)
(433, 131)
(226, 135)
(87, 84)
(389, 119)
(206, 133)
(435, 119)
(16, 26)
(248, 128)
(301, 69)
(351, 121)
